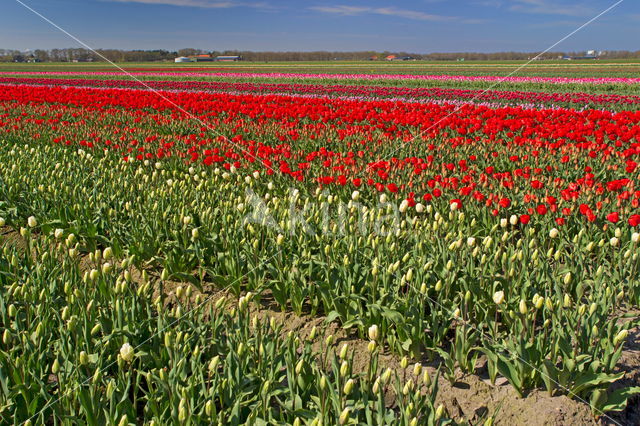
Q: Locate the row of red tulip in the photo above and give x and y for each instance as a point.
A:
(405, 93)
(559, 162)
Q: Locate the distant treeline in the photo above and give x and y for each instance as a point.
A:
(115, 55)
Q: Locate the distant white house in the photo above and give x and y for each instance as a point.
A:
(183, 59)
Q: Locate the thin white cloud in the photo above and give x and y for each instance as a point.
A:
(390, 11)
(411, 14)
(342, 10)
(539, 7)
(203, 4)
(546, 7)
(488, 3)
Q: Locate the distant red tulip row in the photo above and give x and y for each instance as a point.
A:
(405, 93)
(556, 163)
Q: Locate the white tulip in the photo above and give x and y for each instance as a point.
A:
(127, 352)
(374, 333)
(620, 337)
(108, 253)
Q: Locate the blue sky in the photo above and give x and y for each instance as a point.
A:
(419, 26)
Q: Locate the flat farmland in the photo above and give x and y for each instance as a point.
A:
(320, 243)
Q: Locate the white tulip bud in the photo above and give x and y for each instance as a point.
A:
(417, 369)
(83, 358)
(384, 378)
(343, 351)
(344, 416)
(523, 307)
(404, 363)
(127, 352)
(108, 253)
(348, 387)
(376, 386)
(344, 369)
(439, 412)
(374, 332)
(213, 364)
(620, 337)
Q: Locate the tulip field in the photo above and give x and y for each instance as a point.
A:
(184, 246)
